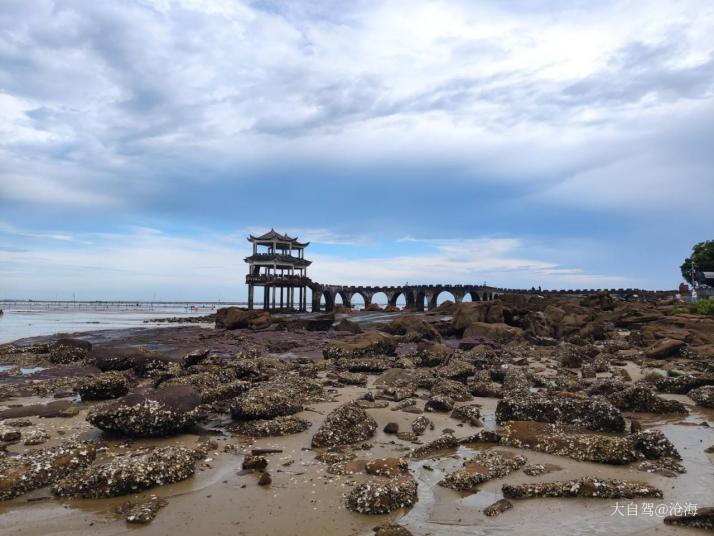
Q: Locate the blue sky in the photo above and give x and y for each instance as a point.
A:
(561, 144)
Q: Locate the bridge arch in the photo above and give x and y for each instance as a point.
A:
(407, 294)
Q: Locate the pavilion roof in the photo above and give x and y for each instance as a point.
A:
(274, 236)
(277, 258)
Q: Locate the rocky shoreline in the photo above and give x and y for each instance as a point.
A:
(420, 423)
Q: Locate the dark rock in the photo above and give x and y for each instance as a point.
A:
(641, 398)
(440, 403)
(349, 326)
(151, 412)
(345, 425)
(391, 428)
(104, 386)
(702, 518)
(498, 507)
(585, 487)
(254, 462)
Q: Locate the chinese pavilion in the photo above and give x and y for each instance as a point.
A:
(278, 265)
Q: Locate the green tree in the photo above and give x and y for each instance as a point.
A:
(703, 258)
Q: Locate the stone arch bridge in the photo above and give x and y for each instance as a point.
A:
(423, 297)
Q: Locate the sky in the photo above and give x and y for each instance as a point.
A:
(553, 143)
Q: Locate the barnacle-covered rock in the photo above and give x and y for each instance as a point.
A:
(279, 426)
(390, 467)
(445, 442)
(653, 445)
(601, 488)
(39, 468)
(366, 344)
(702, 518)
(456, 369)
(470, 413)
(498, 507)
(703, 396)
(282, 396)
(455, 390)
(557, 440)
(440, 403)
(142, 512)
(66, 351)
(345, 425)
(642, 398)
(483, 466)
(351, 378)
(130, 473)
(151, 412)
(420, 424)
(381, 496)
(364, 364)
(104, 386)
(592, 414)
(682, 384)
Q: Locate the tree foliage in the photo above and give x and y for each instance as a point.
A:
(703, 258)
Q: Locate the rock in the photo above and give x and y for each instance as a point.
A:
(592, 487)
(224, 391)
(373, 307)
(653, 445)
(391, 530)
(152, 412)
(468, 313)
(141, 512)
(344, 425)
(194, 357)
(349, 326)
(703, 396)
(364, 364)
(254, 462)
(390, 467)
(383, 496)
(420, 424)
(470, 413)
(115, 359)
(130, 473)
(8, 435)
(279, 426)
(367, 344)
(498, 507)
(265, 479)
(391, 428)
(66, 351)
(440, 403)
(72, 343)
(486, 389)
(702, 518)
(39, 468)
(539, 469)
(682, 384)
(665, 348)
(36, 437)
(456, 369)
(592, 414)
(352, 378)
(236, 318)
(103, 386)
(454, 390)
(501, 333)
(641, 398)
(413, 328)
(483, 466)
(445, 442)
(277, 398)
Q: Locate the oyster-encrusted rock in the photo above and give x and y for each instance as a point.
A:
(390, 467)
(352, 378)
(440, 403)
(470, 413)
(498, 507)
(654, 445)
(592, 414)
(381, 496)
(454, 390)
(142, 512)
(104, 386)
(703, 518)
(642, 398)
(130, 473)
(364, 364)
(279, 426)
(276, 398)
(602, 488)
(366, 344)
(420, 424)
(703, 396)
(39, 468)
(445, 442)
(345, 425)
(152, 412)
(483, 466)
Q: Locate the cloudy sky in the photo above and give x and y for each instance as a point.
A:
(544, 142)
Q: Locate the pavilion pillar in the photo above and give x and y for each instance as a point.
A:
(250, 296)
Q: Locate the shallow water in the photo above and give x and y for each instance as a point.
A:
(22, 320)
